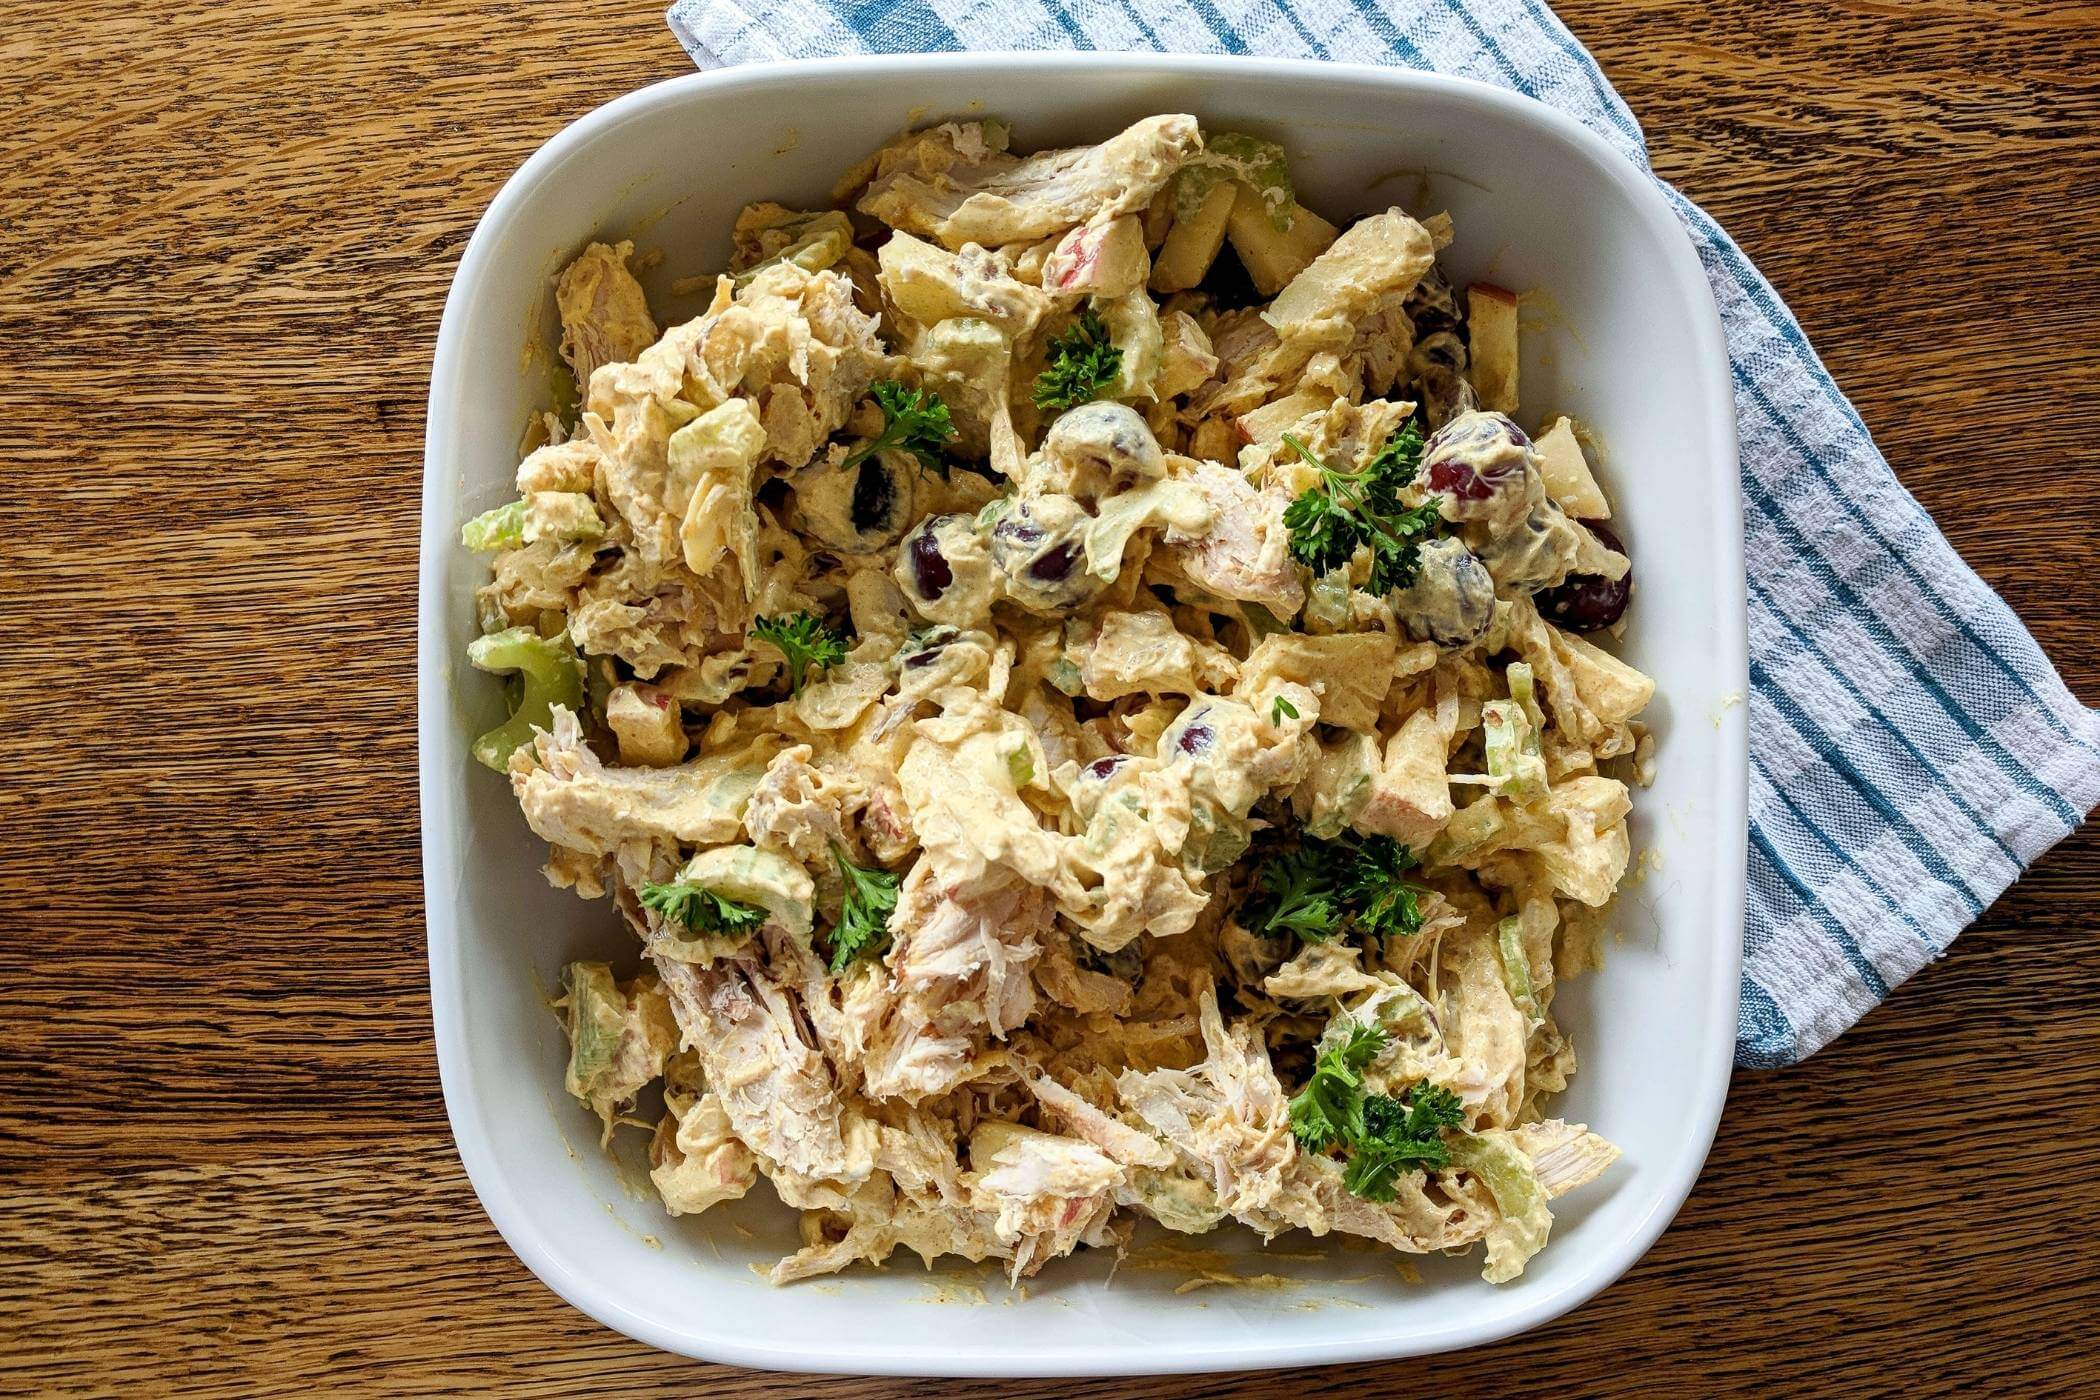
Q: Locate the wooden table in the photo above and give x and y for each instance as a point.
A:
(224, 1166)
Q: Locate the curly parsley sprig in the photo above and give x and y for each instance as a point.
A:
(1319, 890)
(803, 641)
(1342, 510)
(1381, 1135)
(1083, 364)
(699, 909)
(1330, 1108)
(1401, 1136)
(864, 918)
(914, 421)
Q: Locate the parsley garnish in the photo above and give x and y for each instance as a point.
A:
(804, 641)
(864, 917)
(1383, 1135)
(914, 421)
(1296, 894)
(1400, 1137)
(1382, 904)
(1346, 509)
(700, 909)
(1281, 709)
(1082, 365)
(1319, 890)
(1330, 1108)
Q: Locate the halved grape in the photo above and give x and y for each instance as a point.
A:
(1452, 599)
(1589, 602)
(1036, 545)
(930, 573)
(1475, 458)
(1195, 739)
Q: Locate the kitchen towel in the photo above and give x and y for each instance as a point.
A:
(1911, 748)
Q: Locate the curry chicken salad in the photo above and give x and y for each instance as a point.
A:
(1078, 683)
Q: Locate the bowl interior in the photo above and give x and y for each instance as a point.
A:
(1617, 330)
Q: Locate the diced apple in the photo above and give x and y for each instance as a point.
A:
(1567, 472)
(1349, 671)
(1192, 244)
(1188, 360)
(1411, 792)
(1491, 316)
(1108, 260)
(1614, 691)
(1384, 253)
(1272, 420)
(1212, 440)
(921, 280)
(1159, 217)
(645, 721)
(1273, 256)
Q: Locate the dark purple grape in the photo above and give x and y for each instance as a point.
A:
(1054, 564)
(874, 496)
(1589, 602)
(1452, 599)
(1195, 739)
(1105, 768)
(928, 648)
(1474, 456)
(1037, 545)
(1017, 532)
(929, 567)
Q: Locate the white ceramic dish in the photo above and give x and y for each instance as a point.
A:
(1626, 338)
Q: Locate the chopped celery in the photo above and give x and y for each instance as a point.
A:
(1328, 607)
(1524, 690)
(1260, 621)
(501, 528)
(551, 675)
(1231, 155)
(1514, 767)
(1020, 766)
(595, 1014)
(1215, 840)
(543, 515)
(1132, 322)
(818, 241)
(749, 875)
(1472, 830)
(1495, 1159)
(1516, 968)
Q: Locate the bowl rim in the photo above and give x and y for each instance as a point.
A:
(436, 741)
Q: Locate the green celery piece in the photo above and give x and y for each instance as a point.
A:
(1516, 968)
(1232, 155)
(1513, 759)
(552, 674)
(1020, 766)
(501, 528)
(1495, 1159)
(595, 1018)
(1261, 622)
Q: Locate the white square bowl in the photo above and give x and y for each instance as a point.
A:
(1625, 338)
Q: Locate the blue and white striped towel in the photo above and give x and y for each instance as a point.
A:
(1911, 749)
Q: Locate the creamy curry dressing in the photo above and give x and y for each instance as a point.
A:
(1090, 694)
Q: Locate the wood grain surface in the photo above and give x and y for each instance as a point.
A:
(226, 233)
